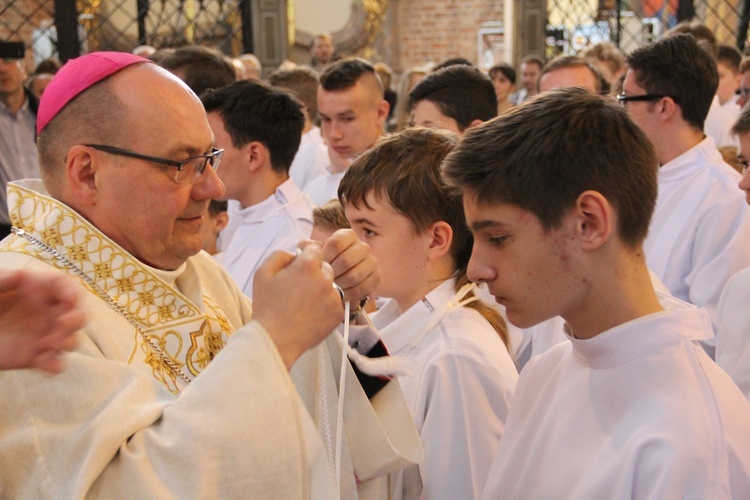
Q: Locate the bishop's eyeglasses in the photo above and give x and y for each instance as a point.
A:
(188, 169)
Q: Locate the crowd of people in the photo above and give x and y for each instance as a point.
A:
(224, 281)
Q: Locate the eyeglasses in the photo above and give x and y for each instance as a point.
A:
(188, 169)
(624, 99)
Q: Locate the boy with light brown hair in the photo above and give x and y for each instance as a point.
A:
(463, 376)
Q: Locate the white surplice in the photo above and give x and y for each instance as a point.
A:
(733, 334)
(277, 223)
(718, 124)
(458, 392)
(700, 232)
(311, 158)
(324, 188)
(639, 411)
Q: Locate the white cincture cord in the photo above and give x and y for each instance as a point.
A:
(333, 449)
(342, 391)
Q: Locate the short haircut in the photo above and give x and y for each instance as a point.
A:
(330, 216)
(742, 125)
(254, 111)
(453, 61)
(677, 67)
(607, 53)
(50, 66)
(461, 92)
(203, 68)
(702, 34)
(303, 82)
(730, 57)
(533, 59)
(562, 62)
(541, 156)
(345, 73)
(87, 119)
(506, 69)
(403, 171)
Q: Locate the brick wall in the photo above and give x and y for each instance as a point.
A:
(434, 30)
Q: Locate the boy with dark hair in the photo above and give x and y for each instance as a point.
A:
(558, 226)
(462, 377)
(312, 156)
(259, 128)
(352, 111)
(701, 226)
(454, 98)
(728, 65)
(201, 68)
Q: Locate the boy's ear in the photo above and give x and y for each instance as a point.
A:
(222, 219)
(81, 172)
(666, 108)
(441, 234)
(474, 123)
(256, 155)
(383, 109)
(595, 220)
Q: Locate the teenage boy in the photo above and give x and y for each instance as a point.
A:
(462, 377)
(352, 111)
(259, 128)
(631, 407)
(454, 98)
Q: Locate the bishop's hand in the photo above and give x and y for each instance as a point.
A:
(294, 300)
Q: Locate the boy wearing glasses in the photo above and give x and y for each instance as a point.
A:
(631, 406)
(700, 230)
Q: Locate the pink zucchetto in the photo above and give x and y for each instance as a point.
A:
(76, 76)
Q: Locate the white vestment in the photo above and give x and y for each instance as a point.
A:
(639, 411)
(119, 422)
(458, 392)
(551, 332)
(733, 334)
(324, 188)
(731, 107)
(700, 232)
(311, 158)
(718, 124)
(277, 223)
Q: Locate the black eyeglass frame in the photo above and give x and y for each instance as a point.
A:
(214, 157)
(623, 99)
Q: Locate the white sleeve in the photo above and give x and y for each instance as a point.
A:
(463, 401)
(104, 428)
(733, 336)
